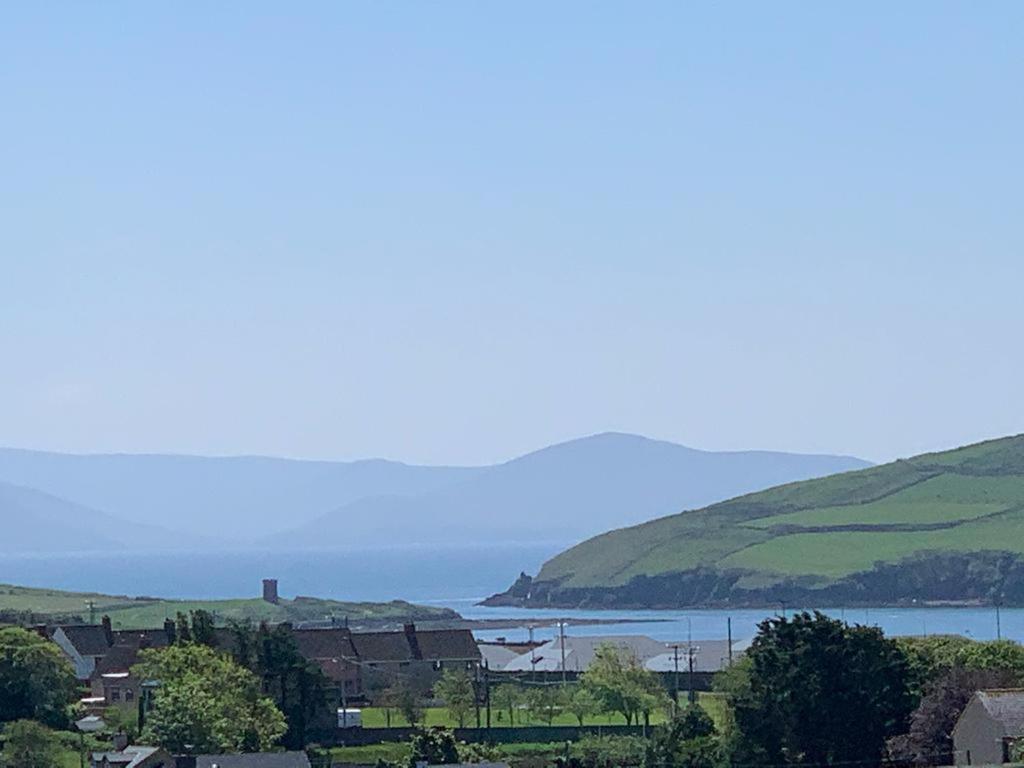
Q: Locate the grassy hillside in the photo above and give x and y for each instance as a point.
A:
(141, 612)
(815, 533)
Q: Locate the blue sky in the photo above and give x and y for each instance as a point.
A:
(454, 232)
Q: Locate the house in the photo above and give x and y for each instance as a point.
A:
(989, 725)
(252, 760)
(333, 652)
(133, 756)
(112, 679)
(86, 644)
(414, 651)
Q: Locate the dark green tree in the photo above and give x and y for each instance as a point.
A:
(433, 746)
(202, 629)
(36, 680)
(820, 691)
(183, 631)
(298, 687)
(28, 744)
(688, 741)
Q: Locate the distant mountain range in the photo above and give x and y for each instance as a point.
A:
(940, 527)
(562, 493)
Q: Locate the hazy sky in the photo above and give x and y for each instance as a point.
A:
(453, 232)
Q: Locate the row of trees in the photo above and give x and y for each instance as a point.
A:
(615, 683)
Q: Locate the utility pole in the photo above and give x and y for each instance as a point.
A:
(693, 693)
(675, 660)
(999, 624)
(728, 633)
(487, 692)
(561, 634)
(92, 610)
(476, 693)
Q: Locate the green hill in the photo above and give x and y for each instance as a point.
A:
(938, 527)
(30, 605)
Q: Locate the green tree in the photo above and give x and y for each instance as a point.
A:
(620, 683)
(206, 703)
(582, 703)
(203, 631)
(456, 690)
(28, 744)
(544, 701)
(183, 631)
(433, 746)
(688, 741)
(820, 691)
(297, 686)
(408, 702)
(36, 680)
(507, 697)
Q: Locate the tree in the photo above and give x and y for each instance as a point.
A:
(456, 690)
(297, 686)
(582, 703)
(507, 696)
(28, 744)
(36, 680)
(620, 683)
(544, 701)
(929, 740)
(206, 703)
(820, 691)
(689, 741)
(203, 631)
(409, 705)
(433, 746)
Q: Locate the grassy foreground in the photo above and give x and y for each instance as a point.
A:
(140, 612)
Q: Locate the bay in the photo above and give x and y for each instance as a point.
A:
(456, 577)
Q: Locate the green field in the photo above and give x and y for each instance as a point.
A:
(141, 612)
(969, 500)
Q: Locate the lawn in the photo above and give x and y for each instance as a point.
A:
(376, 717)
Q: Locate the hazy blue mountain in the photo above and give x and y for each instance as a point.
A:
(234, 498)
(563, 493)
(32, 521)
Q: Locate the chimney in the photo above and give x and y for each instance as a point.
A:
(414, 643)
(270, 591)
(171, 631)
(120, 741)
(108, 631)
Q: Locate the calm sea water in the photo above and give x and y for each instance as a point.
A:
(456, 577)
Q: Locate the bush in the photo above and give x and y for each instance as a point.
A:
(27, 744)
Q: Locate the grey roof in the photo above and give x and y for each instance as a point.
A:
(580, 651)
(1005, 707)
(88, 639)
(129, 757)
(497, 656)
(708, 656)
(255, 760)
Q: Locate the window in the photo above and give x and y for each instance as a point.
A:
(129, 695)
(115, 694)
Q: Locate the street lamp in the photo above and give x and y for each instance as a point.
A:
(88, 724)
